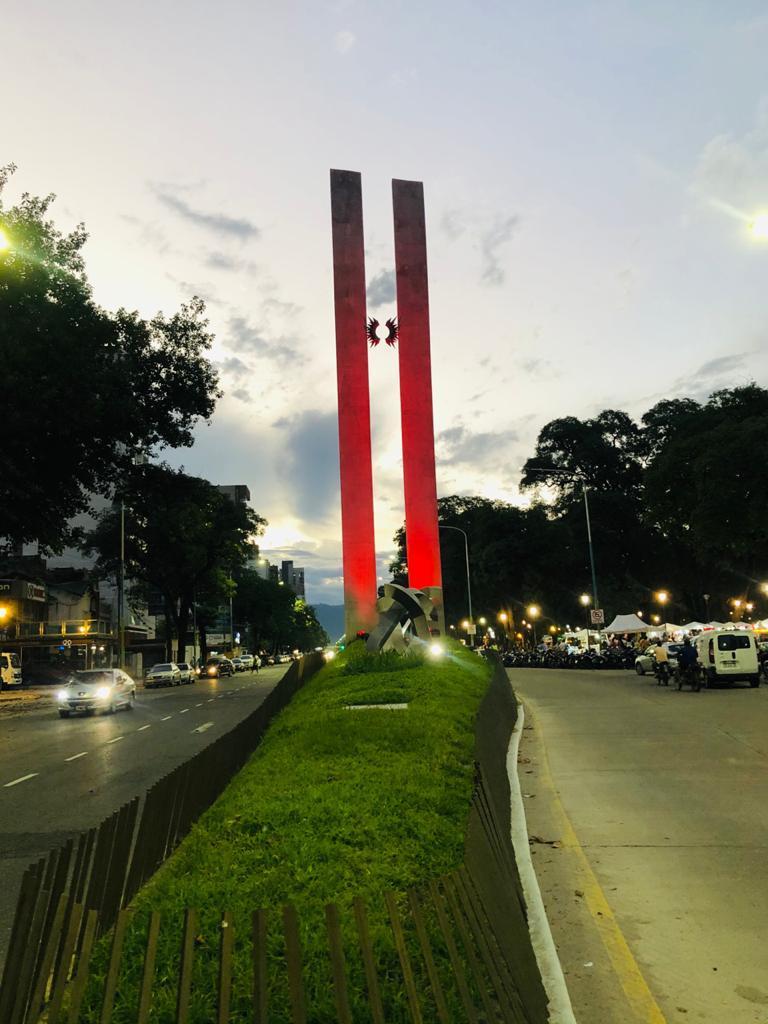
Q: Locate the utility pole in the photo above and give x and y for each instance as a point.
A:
(121, 591)
(442, 526)
(591, 549)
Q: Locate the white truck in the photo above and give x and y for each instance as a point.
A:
(10, 671)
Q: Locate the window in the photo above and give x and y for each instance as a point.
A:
(733, 642)
(3, 662)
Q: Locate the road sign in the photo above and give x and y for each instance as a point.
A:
(597, 617)
(471, 630)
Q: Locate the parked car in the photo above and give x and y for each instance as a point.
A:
(186, 672)
(165, 674)
(10, 671)
(246, 660)
(96, 689)
(238, 664)
(216, 667)
(644, 662)
(728, 655)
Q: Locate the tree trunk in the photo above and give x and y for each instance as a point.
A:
(183, 628)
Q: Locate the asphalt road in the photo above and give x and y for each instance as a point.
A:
(646, 810)
(61, 776)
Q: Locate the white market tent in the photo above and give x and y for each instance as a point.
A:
(668, 627)
(692, 625)
(628, 624)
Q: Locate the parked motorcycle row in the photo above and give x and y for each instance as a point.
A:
(613, 658)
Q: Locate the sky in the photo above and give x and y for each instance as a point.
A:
(590, 173)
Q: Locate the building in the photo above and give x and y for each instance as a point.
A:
(293, 577)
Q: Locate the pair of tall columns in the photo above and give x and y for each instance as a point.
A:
(422, 539)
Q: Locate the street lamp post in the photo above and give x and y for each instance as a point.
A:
(442, 526)
(585, 601)
(534, 611)
(547, 471)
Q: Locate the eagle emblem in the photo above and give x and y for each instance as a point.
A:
(392, 331)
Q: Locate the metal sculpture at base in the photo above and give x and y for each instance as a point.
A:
(410, 330)
(402, 611)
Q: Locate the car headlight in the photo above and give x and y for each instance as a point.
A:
(62, 695)
(212, 671)
(103, 692)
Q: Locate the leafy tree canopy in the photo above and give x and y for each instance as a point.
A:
(85, 390)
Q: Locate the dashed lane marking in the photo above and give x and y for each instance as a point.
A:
(203, 727)
(75, 756)
(143, 727)
(199, 705)
(23, 778)
(115, 740)
(211, 700)
(166, 718)
(184, 711)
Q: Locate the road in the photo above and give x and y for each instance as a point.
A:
(61, 776)
(646, 810)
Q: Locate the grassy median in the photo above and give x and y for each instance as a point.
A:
(335, 803)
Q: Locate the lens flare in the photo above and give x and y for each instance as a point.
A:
(759, 226)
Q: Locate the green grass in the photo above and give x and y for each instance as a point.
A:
(333, 804)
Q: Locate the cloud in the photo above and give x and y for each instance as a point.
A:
(458, 445)
(345, 40)
(540, 369)
(453, 224)
(381, 289)
(244, 338)
(311, 462)
(491, 241)
(234, 367)
(220, 223)
(221, 261)
(241, 395)
(731, 171)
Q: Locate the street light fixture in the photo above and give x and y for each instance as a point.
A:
(662, 597)
(534, 611)
(483, 621)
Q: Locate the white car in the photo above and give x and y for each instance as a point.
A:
(246, 660)
(97, 689)
(166, 674)
(644, 662)
(186, 672)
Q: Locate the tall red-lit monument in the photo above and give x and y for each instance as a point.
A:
(420, 485)
(358, 547)
(422, 539)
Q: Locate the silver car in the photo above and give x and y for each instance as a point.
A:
(644, 662)
(98, 689)
(166, 674)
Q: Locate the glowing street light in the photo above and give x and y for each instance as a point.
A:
(661, 596)
(503, 617)
(759, 226)
(585, 600)
(465, 625)
(656, 618)
(533, 611)
(483, 621)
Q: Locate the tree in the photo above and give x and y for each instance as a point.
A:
(275, 617)
(85, 390)
(708, 486)
(183, 537)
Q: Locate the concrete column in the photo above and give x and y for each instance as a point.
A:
(357, 536)
(422, 537)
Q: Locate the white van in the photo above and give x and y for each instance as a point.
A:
(728, 655)
(10, 671)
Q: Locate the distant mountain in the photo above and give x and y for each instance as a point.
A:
(331, 618)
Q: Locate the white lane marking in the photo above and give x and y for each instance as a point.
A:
(22, 779)
(166, 718)
(184, 711)
(75, 756)
(203, 727)
(143, 727)
(199, 705)
(116, 739)
(211, 700)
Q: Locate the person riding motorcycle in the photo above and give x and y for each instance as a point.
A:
(688, 660)
(661, 664)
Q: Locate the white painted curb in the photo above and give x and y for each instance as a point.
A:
(560, 1009)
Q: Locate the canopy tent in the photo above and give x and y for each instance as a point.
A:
(628, 624)
(689, 626)
(667, 627)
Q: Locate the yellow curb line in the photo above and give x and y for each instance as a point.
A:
(630, 976)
